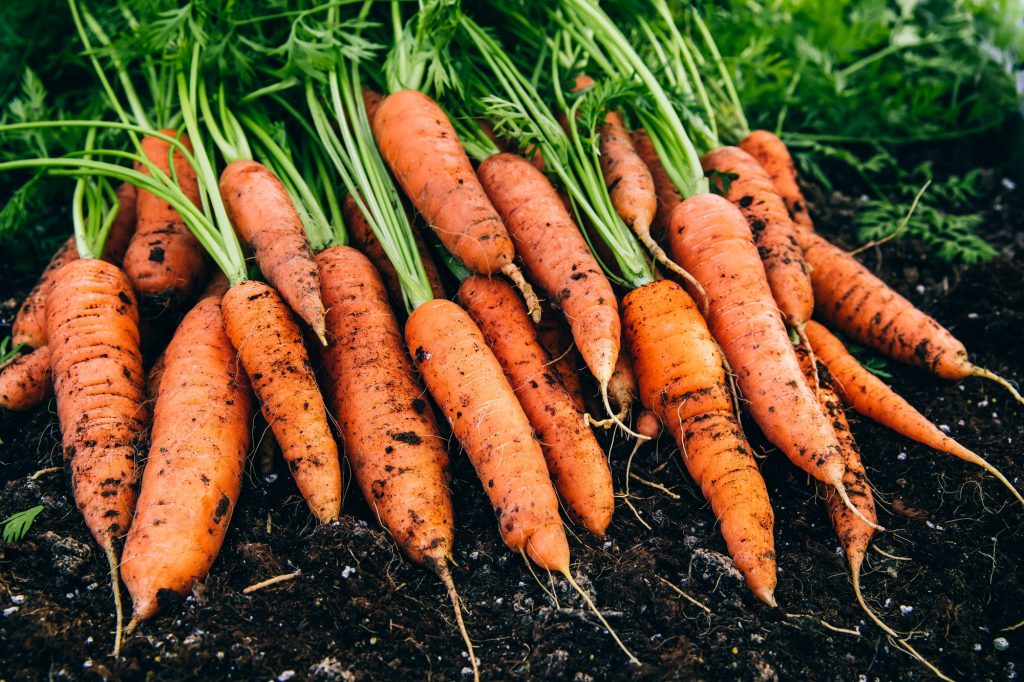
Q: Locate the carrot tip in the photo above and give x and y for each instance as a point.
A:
(115, 580)
(615, 418)
(841, 489)
(767, 596)
(512, 271)
(986, 374)
(449, 583)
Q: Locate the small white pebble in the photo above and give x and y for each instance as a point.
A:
(960, 423)
(69, 595)
(607, 545)
(1009, 184)
(474, 555)
(499, 601)
(17, 599)
(906, 610)
(285, 676)
(89, 640)
(8, 611)
(220, 655)
(467, 671)
(929, 524)
(920, 288)
(363, 523)
(972, 316)
(995, 415)
(1001, 643)
(983, 403)
(87, 664)
(944, 428)
(902, 456)
(977, 647)
(347, 571)
(888, 603)
(91, 586)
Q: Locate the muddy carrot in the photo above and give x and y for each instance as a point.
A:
(26, 381)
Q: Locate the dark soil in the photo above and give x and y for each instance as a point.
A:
(360, 611)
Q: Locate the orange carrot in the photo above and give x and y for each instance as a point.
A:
(648, 425)
(864, 308)
(263, 213)
(754, 193)
(711, 238)
(417, 141)
(270, 348)
(871, 397)
(398, 456)
(682, 379)
(200, 438)
(557, 257)
(556, 337)
(364, 239)
(123, 227)
(774, 157)
(26, 381)
(575, 460)
(164, 261)
(668, 195)
(154, 376)
(622, 388)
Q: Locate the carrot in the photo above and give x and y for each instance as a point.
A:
(774, 234)
(259, 207)
(164, 261)
(667, 194)
(774, 157)
(29, 326)
(864, 308)
(711, 238)
(682, 380)
(270, 349)
(622, 388)
(199, 442)
(557, 257)
(92, 326)
(26, 381)
(417, 141)
(871, 397)
(398, 456)
(364, 239)
(556, 337)
(575, 460)
(648, 424)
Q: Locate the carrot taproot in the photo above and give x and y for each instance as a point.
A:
(92, 327)
(871, 397)
(556, 337)
(682, 380)
(711, 238)
(269, 344)
(164, 261)
(419, 144)
(862, 306)
(754, 193)
(26, 381)
(261, 210)
(773, 155)
(200, 438)
(363, 238)
(666, 192)
(574, 458)
(557, 257)
(398, 456)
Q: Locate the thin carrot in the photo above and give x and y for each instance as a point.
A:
(871, 397)
(556, 257)
(863, 307)
(711, 238)
(417, 141)
(556, 337)
(164, 261)
(269, 345)
(26, 381)
(398, 456)
(682, 379)
(754, 193)
(668, 195)
(199, 442)
(123, 228)
(622, 388)
(575, 460)
(773, 155)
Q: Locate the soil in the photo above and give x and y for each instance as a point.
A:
(359, 611)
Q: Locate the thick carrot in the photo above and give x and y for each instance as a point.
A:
(864, 308)
(26, 381)
(711, 238)
(263, 213)
(92, 326)
(682, 379)
(556, 337)
(774, 157)
(668, 195)
(557, 257)
(197, 456)
(575, 460)
(398, 457)
(269, 345)
(164, 261)
(871, 397)
(364, 240)
(754, 193)
(417, 141)
(470, 387)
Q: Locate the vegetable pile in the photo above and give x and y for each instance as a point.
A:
(515, 228)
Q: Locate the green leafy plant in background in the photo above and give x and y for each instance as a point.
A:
(17, 525)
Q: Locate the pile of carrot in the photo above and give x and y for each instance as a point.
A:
(355, 351)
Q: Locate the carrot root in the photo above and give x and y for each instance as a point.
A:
(661, 257)
(980, 461)
(615, 417)
(586, 598)
(115, 582)
(845, 497)
(976, 371)
(449, 583)
(512, 271)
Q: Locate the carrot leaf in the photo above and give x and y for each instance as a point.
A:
(16, 526)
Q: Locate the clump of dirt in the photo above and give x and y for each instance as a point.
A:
(951, 571)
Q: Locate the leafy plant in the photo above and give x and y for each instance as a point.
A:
(869, 360)
(16, 526)
(7, 353)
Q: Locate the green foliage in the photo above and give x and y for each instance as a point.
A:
(869, 360)
(17, 525)
(7, 352)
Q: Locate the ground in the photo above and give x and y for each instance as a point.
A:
(360, 611)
